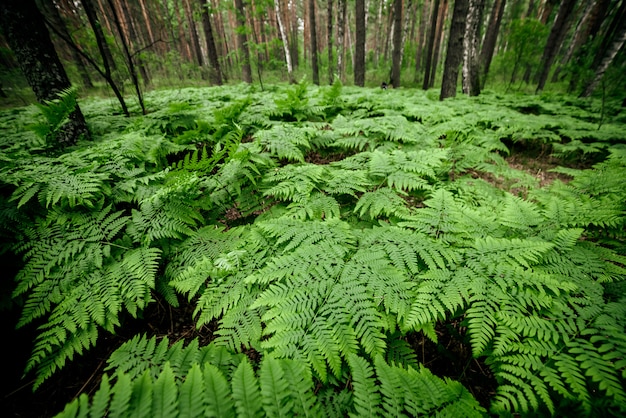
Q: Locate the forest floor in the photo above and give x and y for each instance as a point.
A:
(451, 355)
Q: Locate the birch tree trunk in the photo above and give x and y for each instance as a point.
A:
(471, 77)
(283, 36)
(614, 47)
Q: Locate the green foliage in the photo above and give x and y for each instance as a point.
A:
(56, 113)
(315, 251)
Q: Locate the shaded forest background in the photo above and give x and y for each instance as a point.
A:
(129, 47)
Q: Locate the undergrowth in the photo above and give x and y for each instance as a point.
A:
(326, 269)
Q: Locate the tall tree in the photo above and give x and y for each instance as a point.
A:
(491, 36)
(329, 35)
(430, 44)
(193, 33)
(359, 48)
(608, 56)
(443, 11)
(397, 43)
(471, 76)
(341, 41)
(454, 54)
(214, 62)
(313, 32)
(555, 39)
(25, 31)
(242, 38)
(283, 36)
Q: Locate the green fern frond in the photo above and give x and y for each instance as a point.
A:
(246, 392)
(366, 395)
(285, 142)
(383, 201)
(293, 182)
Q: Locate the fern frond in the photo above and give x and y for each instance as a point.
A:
(366, 396)
(246, 392)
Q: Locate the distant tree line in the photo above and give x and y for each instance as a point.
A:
(140, 44)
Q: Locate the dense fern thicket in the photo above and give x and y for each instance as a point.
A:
(318, 231)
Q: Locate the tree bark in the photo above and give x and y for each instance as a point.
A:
(454, 54)
(489, 44)
(359, 53)
(283, 36)
(214, 62)
(313, 33)
(616, 44)
(555, 39)
(443, 11)
(341, 41)
(25, 31)
(242, 39)
(397, 43)
(193, 33)
(329, 34)
(430, 43)
(471, 76)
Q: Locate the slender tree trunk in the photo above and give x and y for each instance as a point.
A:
(420, 39)
(471, 77)
(430, 45)
(132, 36)
(489, 44)
(129, 59)
(341, 42)
(359, 53)
(193, 33)
(242, 39)
(555, 39)
(443, 9)
(454, 55)
(216, 71)
(25, 31)
(313, 33)
(397, 43)
(329, 34)
(283, 36)
(614, 47)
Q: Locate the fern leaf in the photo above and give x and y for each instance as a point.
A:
(165, 397)
(274, 388)
(219, 401)
(142, 396)
(122, 391)
(192, 392)
(366, 395)
(246, 391)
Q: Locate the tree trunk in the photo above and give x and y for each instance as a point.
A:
(454, 54)
(313, 32)
(471, 77)
(329, 34)
(25, 31)
(216, 71)
(129, 58)
(52, 13)
(341, 26)
(193, 33)
(555, 39)
(397, 43)
(421, 34)
(283, 36)
(242, 39)
(443, 11)
(430, 43)
(359, 53)
(489, 44)
(616, 44)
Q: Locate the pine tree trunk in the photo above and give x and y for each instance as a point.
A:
(471, 77)
(313, 33)
(359, 52)
(25, 31)
(443, 11)
(489, 44)
(216, 71)
(555, 39)
(454, 54)
(430, 43)
(397, 43)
